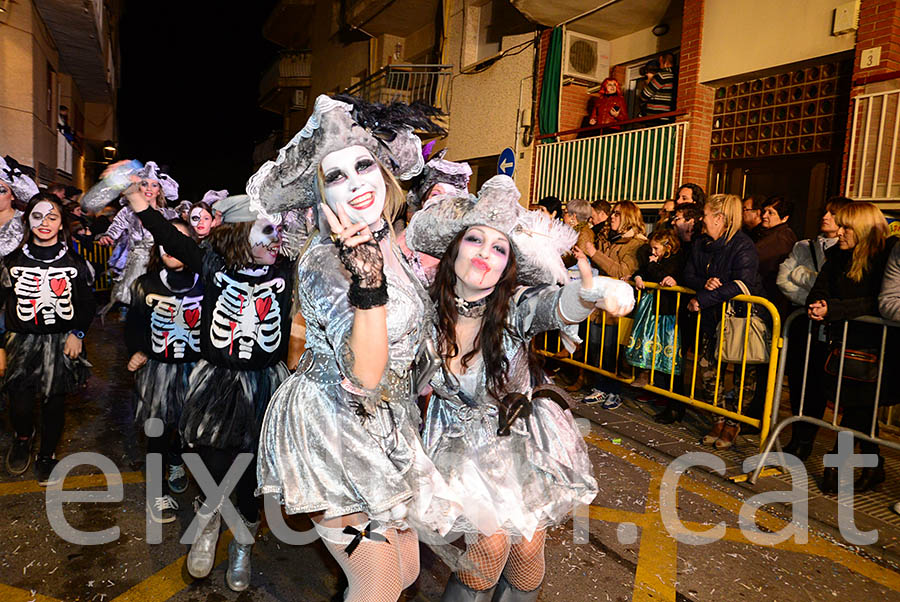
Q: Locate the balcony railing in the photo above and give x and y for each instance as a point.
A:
(639, 165)
(289, 71)
(407, 83)
(874, 170)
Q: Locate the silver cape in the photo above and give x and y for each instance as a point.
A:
(530, 479)
(140, 243)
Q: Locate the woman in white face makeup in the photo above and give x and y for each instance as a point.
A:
(49, 303)
(340, 438)
(155, 187)
(15, 186)
(491, 416)
(244, 326)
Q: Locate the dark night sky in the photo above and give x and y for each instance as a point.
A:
(190, 79)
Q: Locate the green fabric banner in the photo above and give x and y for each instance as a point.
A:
(549, 107)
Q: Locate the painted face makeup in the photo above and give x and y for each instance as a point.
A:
(353, 181)
(265, 242)
(480, 262)
(45, 221)
(201, 221)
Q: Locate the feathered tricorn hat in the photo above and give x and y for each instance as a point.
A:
(537, 240)
(438, 170)
(23, 187)
(387, 131)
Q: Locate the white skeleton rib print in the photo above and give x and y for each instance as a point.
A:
(173, 322)
(44, 293)
(245, 314)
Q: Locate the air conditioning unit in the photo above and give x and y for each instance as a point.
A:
(585, 57)
(298, 100)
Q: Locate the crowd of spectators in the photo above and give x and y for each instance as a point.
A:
(723, 246)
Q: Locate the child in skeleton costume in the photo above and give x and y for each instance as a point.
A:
(14, 186)
(49, 307)
(508, 448)
(245, 320)
(202, 217)
(162, 334)
(340, 438)
(156, 186)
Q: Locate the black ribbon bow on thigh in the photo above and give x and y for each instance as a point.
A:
(358, 536)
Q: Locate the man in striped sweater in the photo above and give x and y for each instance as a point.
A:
(658, 95)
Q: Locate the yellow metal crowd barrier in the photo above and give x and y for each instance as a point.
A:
(98, 256)
(551, 346)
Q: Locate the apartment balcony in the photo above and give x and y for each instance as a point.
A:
(407, 83)
(641, 165)
(873, 171)
(395, 17)
(81, 32)
(286, 82)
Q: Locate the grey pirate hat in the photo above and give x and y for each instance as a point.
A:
(537, 240)
(22, 186)
(387, 131)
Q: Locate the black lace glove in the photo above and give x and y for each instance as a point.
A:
(368, 287)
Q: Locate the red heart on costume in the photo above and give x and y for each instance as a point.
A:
(58, 286)
(262, 308)
(191, 316)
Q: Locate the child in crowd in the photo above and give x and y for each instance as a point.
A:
(663, 264)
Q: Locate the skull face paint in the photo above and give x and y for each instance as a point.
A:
(353, 182)
(201, 221)
(265, 242)
(45, 222)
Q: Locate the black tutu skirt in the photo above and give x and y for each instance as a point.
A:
(37, 362)
(160, 389)
(224, 407)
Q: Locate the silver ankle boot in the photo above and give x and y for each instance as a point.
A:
(507, 593)
(238, 574)
(457, 591)
(203, 551)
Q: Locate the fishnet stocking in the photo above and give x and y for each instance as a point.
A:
(407, 544)
(525, 568)
(373, 571)
(488, 555)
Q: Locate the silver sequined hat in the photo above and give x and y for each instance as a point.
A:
(290, 181)
(23, 187)
(214, 196)
(438, 171)
(537, 240)
(151, 171)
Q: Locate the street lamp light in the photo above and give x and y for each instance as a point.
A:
(109, 150)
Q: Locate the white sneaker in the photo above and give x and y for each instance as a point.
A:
(162, 509)
(595, 396)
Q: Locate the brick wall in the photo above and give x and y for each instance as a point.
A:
(694, 97)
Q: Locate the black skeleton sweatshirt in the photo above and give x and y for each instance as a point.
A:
(164, 318)
(245, 314)
(46, 290)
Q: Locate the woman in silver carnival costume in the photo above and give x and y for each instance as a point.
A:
(505, 442)
(340, 438)
(157, 187)
(14, 186)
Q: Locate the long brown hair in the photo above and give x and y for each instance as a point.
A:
(868, 223)
(489, 340)
(63, 236)
(232, 241)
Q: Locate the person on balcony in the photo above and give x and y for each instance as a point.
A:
(658, 94)
(795, 279)
(609, 107)
(719, 259)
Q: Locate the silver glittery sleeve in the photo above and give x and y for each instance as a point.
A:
(11, 234)
(535, 309)
(121, 224)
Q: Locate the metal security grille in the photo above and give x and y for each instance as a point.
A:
(639, 165)
(874, 170)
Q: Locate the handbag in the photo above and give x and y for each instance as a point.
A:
(734, 328)
(639, 352)
(860, 365)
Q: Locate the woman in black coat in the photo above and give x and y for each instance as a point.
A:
(719, 259)
(848, 287)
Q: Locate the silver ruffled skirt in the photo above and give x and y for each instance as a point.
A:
(135, 267)
(529, 480)
(318, 453)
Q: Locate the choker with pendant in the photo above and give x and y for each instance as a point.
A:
(471, 309)
(382, 232)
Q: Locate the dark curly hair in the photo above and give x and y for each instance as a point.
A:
(232, 242)
(489, 340)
